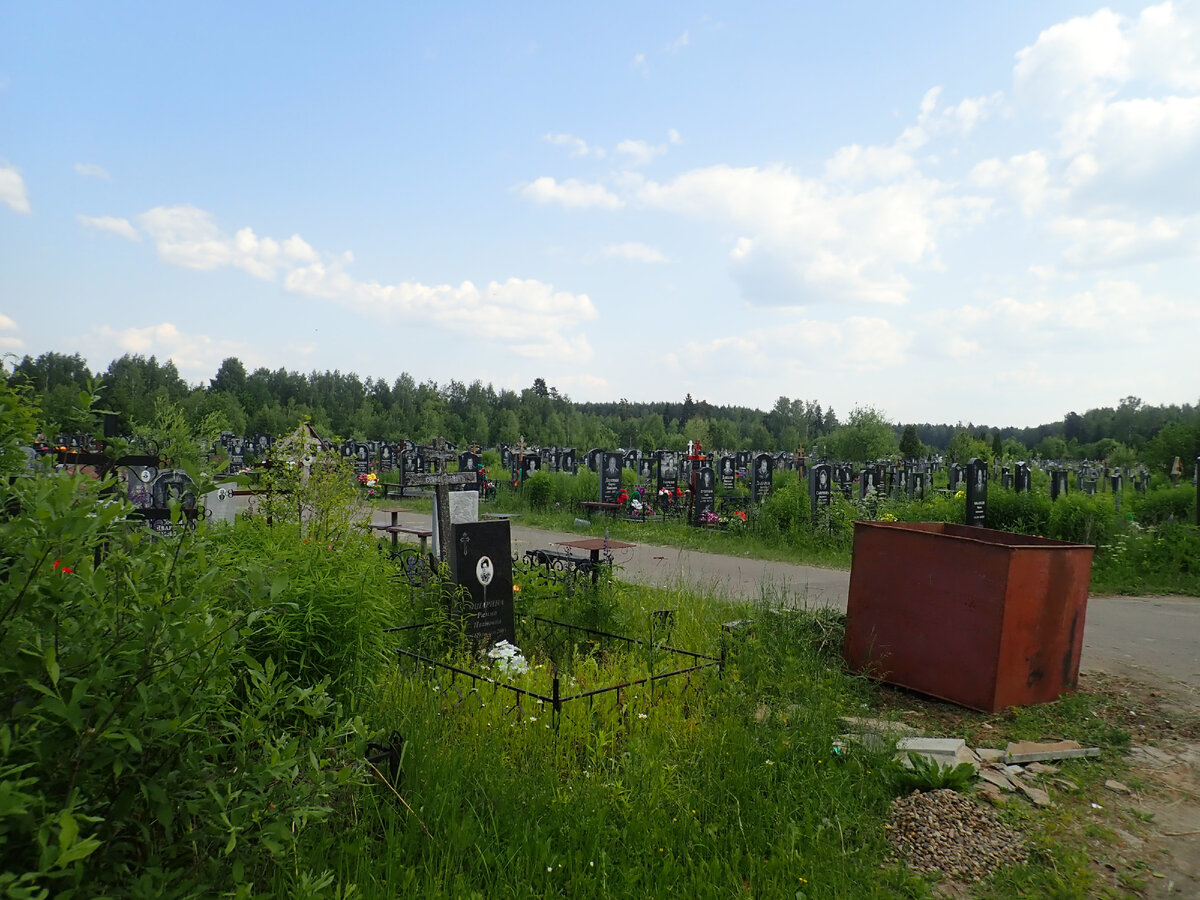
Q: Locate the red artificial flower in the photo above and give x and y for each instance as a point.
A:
(67, 570)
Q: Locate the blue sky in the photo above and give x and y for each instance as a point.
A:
(975, 212)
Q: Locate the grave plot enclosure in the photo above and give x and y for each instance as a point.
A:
(986, 619)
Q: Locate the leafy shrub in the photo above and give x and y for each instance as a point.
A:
(1082, 519)
(924, 774)
(1024, 512)
(1168, 504)
(142, 751)
(539, 490)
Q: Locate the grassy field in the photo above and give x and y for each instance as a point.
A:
(191, 717)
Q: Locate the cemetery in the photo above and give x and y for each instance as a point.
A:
(261, 679)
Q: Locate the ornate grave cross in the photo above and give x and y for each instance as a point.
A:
(440, 479)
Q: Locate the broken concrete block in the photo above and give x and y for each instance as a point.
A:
(1031, 751)
(943, 751)
(996, 779)
(1014, 770)
(1038, 768)
(1037, 795)
(989, 754)
(992, 794)
(1116, 787)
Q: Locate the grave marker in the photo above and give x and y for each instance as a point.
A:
(976, 492)
(1023, 478)
(820, 486)
(610, 477)
(728, 472)
(481, 564)
(761, 482)
(668, 470)
(440, 479)
(704, 494)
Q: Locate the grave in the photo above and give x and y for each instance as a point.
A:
(976, 492)
(668, 470)
(703, 494)
(761, 482)
(1024, 480)
(441, 479)
(820, 487)
(1059, 483)
(481, 565)
(610, 477)
(728, 472)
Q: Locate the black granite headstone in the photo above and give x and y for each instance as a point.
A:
(820, 485)
(977, 492)
(668, 470)
(481, 564)
(531, 464)
(728, 472)
(566, 462)
(761, 480)
(593, 459)
(704, 498)
(610, 476)
(1059, 482)
(1023, 479)
(631, 459)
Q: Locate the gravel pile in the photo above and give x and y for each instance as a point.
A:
(944, 831)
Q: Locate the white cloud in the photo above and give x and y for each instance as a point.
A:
(858, 163)
(803, 241)
(196, 356)
(572, 194)
(635, 252)
(527, 315)
(12, 189)
(1084, 57)
(679, 43)
(638, 63)
(1025, 177)
(91, 170)
(187, 236)
(1114, 242)
(8, 338)
(111, 224)
(673, 136)
(639, 153)
(959, 119)
(576, 146)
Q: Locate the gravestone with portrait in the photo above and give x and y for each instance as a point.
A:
(728, 468)
(742, 460)
(531, 464)
(977, 476)
(505, 456)
(631, 460)
(685, 470)
(646, 469)
(593, 459)
(761, 479)
(916, 484)
(610, 476)
(137, 480)
(820, 486)
(481, 565)
(843, 477)
(220, 505)
(704, 496)
(566, 462)
(668, 470)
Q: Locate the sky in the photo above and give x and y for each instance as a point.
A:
(948, 212)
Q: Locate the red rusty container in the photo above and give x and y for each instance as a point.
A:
(985, 619)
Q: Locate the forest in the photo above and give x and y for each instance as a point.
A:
(343, 405)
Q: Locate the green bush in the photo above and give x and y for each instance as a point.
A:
(539, 491)
(1167, 504)
(143, 752)
(1024, 512)
(1082, 519)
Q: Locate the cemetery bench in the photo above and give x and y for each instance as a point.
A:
(396, 490)
(590, 506)
(594, 546)
(422, 534)
(556, 561)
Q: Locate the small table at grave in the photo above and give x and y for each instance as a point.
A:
(395, 529)
(501, 517)
(594, 546)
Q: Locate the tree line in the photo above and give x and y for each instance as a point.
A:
(137, 389)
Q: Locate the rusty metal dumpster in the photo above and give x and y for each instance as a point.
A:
(985, 619)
